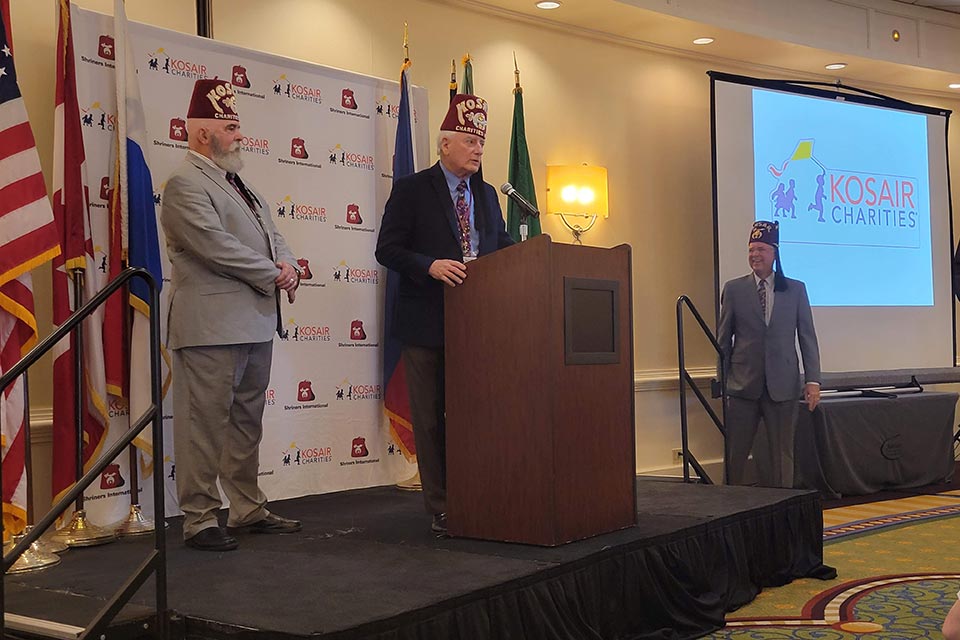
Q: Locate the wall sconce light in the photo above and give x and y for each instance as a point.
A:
(577, 191)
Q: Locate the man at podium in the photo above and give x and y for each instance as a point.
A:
(762, 317)
(434, 223)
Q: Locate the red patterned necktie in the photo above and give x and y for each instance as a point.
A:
(762, 292)
(463, 218)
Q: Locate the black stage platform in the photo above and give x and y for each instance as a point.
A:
(367, 566)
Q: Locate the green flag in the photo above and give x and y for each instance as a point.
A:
(519, 173)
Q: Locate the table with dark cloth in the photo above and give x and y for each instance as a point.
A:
(858, 446)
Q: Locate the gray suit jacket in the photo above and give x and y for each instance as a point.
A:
(223, 261)
(756, 354)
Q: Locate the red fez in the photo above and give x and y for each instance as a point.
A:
(467, 114)
(213, 98)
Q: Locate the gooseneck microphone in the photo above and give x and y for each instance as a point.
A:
(507, 189)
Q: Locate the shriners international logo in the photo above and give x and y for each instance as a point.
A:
(354, 220)
(854, 207)
(105, 47)
(270, 397)
(357, 335)
(299, 153)
(348, 391)
(343, 157)
(347, 99)
(293, 90)
(305, 391)
(239, 77)
(305, 273)
(356, 330)
(353, 214)
(296, 455)
(289, 209)
(358, 448)
(298, 149)
(306, 398)
(178, 129)
(346, 274)
(110, 478)
(359, 453)
(349, 106)
(162, 60)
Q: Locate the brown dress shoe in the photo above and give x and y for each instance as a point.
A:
(212, 539)
(272, 524)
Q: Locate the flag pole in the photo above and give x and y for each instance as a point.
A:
(46, 544)
(524, 229)
(135, 523)
(453, 79)
(80, 532)
(42, 553)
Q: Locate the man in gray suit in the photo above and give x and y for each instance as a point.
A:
(762, 317)
(229, 266)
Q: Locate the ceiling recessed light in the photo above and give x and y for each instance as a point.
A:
(954, 85)
(703, 41)
(833, 66)
(548, 4)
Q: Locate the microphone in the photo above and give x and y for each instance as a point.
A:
(507, 189)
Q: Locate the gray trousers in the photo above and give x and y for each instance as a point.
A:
(775, 461)
(218, 400)
(425, 384)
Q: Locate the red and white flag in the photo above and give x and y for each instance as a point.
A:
(28, 238)
(72, 214)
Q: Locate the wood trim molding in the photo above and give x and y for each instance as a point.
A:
(669, 379)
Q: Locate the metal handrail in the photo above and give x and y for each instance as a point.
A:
(156, 562)
(690, 460)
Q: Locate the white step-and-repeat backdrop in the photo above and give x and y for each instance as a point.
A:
(319, 145)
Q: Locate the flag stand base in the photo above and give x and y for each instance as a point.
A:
(81, 533)
(34, 558)
(411, 484)
(135, 524)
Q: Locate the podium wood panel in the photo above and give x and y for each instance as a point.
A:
(538, 451)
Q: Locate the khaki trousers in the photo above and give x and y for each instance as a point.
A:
(218, 400)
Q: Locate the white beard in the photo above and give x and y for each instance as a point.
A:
(229, 161)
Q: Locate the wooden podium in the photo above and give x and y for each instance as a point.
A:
(539, 395)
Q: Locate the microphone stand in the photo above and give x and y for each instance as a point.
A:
(524, 229)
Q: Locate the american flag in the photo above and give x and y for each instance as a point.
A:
(28, 238)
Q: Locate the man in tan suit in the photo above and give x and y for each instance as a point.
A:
(229, 266)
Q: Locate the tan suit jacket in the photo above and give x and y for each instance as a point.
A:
(223, 260)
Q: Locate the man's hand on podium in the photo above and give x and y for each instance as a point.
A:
(450, 272)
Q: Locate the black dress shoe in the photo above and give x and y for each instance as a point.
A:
(212, 539)
(272, 524)
(439, 524)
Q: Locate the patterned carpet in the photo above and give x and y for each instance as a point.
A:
(899, 572)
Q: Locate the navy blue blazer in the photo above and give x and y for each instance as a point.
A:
(419, 226)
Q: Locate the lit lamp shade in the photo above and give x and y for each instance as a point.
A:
(577, 190)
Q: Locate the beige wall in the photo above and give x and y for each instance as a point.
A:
(643, 114)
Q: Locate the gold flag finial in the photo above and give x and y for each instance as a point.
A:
(516, 73)
(406, 43)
